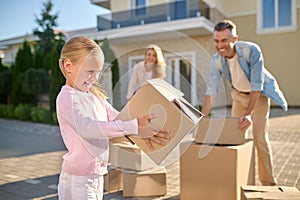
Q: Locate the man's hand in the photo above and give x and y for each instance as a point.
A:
(245, 122)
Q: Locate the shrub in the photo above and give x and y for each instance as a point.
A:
(22, 112)
(6, 111)
(44, 115)
(34, 114)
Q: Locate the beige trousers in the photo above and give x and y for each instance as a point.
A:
(260, 118)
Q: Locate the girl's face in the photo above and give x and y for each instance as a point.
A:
(83, 73)
(150, 56)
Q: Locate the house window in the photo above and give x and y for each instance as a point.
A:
(140, 6)
(276, 16)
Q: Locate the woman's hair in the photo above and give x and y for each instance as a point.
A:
(159, 69)
(76, 48)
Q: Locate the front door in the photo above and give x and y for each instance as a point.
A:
(179, 74)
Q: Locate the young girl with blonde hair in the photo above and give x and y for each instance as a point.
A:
(86, 122)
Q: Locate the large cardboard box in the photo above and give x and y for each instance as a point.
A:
(220, 131)
(144, 184)
(174, 114)
(123, 154)
(113, 180)
(210, 172)
(252, 192)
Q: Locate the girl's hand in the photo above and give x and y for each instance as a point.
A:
(162, 134)
(151, 133)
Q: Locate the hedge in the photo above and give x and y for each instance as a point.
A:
(26, 112)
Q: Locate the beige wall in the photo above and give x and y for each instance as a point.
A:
(121, 5)
(117, 5)
(234, 7)
(156, 2)
(281, 52)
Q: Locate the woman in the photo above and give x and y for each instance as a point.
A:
(154, 66)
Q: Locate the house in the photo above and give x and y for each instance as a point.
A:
(183, 29)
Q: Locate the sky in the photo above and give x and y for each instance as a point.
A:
(17, 17)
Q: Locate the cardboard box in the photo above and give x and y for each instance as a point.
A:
(174, 114)
(215, 172)
(252, 192)
(220, 131)
(144, 184)
(123, 154)
(113, 180)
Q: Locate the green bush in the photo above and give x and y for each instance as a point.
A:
(40, 114)
(34, 114)
(6, 111)
(27, 112)
(22, 112)
(44, 115)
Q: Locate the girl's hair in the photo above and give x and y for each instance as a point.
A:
(76, 48)
(159, 69)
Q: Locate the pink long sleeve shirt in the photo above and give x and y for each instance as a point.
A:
(86, 123)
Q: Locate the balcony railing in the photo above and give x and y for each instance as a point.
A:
(152, 14)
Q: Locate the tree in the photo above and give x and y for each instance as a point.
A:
(45, 32)
(57, 78)
(110, 58)
(48, 49)
(35, 81)
(23, 62)
(5, 83)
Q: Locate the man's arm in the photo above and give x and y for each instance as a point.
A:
(207, 104)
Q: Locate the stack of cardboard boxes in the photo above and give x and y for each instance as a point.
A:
(143, 171)
(217, 163)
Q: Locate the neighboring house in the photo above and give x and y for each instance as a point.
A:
(9, 47)
(183, 29)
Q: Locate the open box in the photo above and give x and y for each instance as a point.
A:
(215, 172)
(174, 114)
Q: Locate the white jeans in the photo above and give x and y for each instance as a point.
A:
(72, 187)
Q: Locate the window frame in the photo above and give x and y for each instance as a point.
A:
(276, 29)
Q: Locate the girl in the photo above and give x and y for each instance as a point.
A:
(154, 66)
(86, 122)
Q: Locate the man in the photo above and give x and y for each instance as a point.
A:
(252, 88)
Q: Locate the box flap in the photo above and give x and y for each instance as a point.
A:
(254, 188)
(189, 110)
(253, 196)
(167, 90)
(281, 195)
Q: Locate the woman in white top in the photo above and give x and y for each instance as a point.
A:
(154, 66)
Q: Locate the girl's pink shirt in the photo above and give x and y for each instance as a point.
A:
(86, 123)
